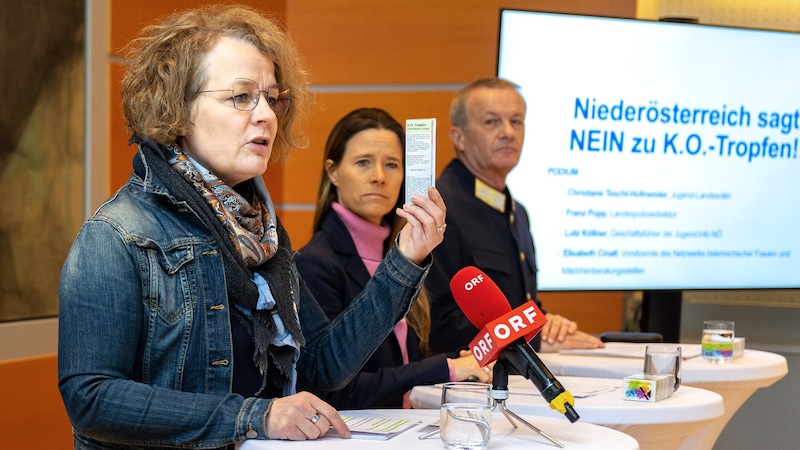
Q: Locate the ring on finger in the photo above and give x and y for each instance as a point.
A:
(486, 369)
(315, 418)
(441, 228)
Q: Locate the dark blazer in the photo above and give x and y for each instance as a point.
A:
(498, 243)
(330, 266)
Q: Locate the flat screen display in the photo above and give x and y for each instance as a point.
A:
(657, 155)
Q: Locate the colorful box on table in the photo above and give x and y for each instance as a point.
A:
(647, 388)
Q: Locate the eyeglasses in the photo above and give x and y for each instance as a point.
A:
(245, 95)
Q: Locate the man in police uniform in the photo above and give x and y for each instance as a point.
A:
(486, 227)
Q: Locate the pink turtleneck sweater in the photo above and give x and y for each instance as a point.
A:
(369, 238)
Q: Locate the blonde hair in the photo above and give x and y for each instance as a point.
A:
(165, 70)
(419, 319)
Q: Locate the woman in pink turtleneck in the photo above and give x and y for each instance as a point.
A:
(354, 225)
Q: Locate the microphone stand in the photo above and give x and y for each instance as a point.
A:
(500, 394)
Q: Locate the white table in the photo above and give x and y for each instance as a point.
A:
(661, 425)
(735, 381)
(575, 436)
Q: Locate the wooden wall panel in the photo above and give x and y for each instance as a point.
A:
(413, 41)
(595, 312)
(299, 222)
(128, 18)
(32, 415)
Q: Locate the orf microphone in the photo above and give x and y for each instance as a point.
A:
(505, 333)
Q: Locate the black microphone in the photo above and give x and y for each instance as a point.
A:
(507, 334)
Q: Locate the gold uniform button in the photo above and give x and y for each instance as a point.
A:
(521, 256)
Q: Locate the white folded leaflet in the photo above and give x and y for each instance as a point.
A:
(420, 157)
(379, 428)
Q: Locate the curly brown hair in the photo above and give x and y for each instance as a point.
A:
(165, 70)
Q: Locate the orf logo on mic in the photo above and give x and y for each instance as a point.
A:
(522, 322)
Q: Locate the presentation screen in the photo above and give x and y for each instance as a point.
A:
(657, 155)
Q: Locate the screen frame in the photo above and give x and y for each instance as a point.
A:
(681, 22)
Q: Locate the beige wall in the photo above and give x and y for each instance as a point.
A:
(770, 14)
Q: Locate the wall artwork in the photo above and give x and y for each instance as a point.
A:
(42, 87)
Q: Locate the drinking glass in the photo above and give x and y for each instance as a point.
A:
(465, 420)
(717, 342)
(664, 359)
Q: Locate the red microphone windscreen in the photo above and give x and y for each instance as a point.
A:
(478, 296)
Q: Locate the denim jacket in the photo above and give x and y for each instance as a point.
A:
(145, 356)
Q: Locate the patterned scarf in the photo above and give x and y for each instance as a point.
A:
(275, 363)
(250, 227)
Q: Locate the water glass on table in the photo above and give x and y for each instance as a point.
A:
(718, 341)
(465, 420)
(664, 359)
